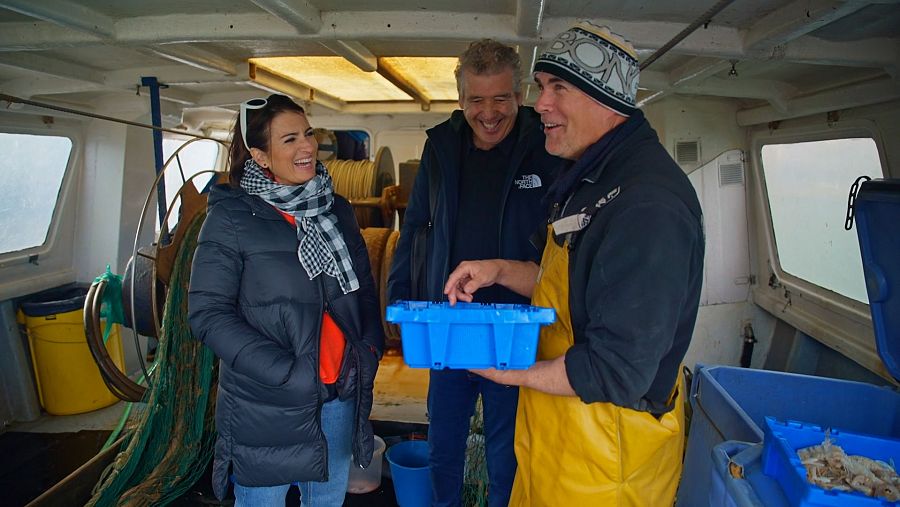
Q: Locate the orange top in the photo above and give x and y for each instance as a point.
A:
(331, 350)
(331, 340)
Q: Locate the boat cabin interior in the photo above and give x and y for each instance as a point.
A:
(116, 116)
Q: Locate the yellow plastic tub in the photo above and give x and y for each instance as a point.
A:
(68, 379)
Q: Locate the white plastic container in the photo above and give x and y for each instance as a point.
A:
(365, 480)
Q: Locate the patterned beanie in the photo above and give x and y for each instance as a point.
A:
(600, 63)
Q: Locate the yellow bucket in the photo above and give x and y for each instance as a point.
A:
(68, 379)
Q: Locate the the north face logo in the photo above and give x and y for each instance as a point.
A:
(528, 181)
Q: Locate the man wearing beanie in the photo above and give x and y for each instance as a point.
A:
(477, 195)
(600, 413)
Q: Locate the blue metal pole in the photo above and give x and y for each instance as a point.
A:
(156, 118)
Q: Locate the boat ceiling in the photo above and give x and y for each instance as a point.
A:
(778, 57)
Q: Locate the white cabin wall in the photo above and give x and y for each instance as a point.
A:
(140, 173)
(718, 333)
(102, 179)
(118, 174)
(711, 120)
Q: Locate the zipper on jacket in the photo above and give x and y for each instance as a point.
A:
(323, 307)
(354, 439)
(509, 183)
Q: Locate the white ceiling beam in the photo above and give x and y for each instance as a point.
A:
(653, 97)
(227, 99)
(39, 36)
(300, 14)
(215, 27)
(874, 92)
(341, 25)
(797, 19)
(29, 87)
(354, 52)
(195, 57)
(441, 107)
(529, 16)
(697, 69)
(50, 66)
(66, 14)
(654, 80)
(177, 77)
(172, 75)
(692, 72)
(741, 88)
(715, 41)
(874, 53)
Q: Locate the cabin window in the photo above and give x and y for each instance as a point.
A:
(200, 155)
(807, 185)
(30, 188)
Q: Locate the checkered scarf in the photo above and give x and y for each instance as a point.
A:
(322, 247)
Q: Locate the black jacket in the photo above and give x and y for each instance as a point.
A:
(635, 273)
(529, 174)
(253, 304)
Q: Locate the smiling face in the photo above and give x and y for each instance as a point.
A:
(292, 149)
(490, 104)
(573, 121)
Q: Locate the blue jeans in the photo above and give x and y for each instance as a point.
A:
(451, 402)
(337, 424)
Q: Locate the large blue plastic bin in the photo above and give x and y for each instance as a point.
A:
(738, 479)
(731, 403)
(877, 211)
(469, 335)
(781, 461)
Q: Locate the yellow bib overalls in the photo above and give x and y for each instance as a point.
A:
(574, 454)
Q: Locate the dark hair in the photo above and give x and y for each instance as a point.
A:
(488, 57)
(258, 122)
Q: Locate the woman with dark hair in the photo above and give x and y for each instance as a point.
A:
(282, 292)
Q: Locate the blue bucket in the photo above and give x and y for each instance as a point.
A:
(410, 473)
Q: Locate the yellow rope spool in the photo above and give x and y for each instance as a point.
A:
(376, 239)
(391, 331)
(361, 182)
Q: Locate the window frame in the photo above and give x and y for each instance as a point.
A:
(840, 322)
(66, 187)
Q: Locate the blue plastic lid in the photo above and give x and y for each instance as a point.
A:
(877, 212)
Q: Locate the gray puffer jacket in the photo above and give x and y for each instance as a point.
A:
(253, 304)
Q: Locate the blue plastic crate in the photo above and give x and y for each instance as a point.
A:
(469, 335)
(780, 460)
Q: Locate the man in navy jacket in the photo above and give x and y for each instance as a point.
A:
(476, 196)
